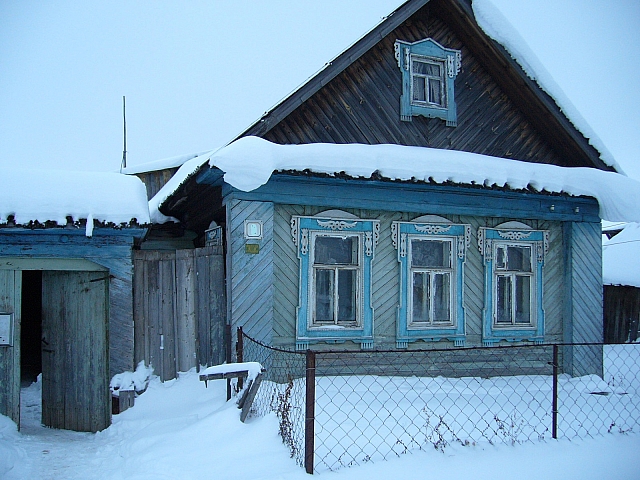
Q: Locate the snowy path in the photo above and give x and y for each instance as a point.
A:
(181, 430)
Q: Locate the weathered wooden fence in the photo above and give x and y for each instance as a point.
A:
(621, 313)
(179, 309)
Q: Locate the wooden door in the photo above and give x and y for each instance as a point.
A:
(10, 302)
(75, 367)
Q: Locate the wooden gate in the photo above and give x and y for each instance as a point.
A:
(179, 309)
(10, 298)
(75, 360)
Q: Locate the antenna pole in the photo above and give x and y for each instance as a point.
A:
(124, 150)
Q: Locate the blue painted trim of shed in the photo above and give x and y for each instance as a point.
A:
(413, 198)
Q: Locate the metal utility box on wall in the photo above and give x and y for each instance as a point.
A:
(6, 330)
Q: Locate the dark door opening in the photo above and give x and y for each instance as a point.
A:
(31, 327)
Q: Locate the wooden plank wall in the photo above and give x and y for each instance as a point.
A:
(10, 301)
(621, 313)
(585, 280)
(75, 385)
(251, 276)
(385, 281)
(179, 312)
(112, 252)
(362, 105)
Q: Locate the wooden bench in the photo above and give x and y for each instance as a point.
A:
(237, 370)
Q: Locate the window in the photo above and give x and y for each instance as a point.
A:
(431, 282)
(513, 274)
(428, 82)
(513, 258)
(428, 75)
(336, 276)
(335, 255)
(431, 257)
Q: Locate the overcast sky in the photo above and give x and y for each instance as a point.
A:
(196, 73)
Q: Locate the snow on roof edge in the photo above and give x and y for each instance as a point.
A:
(186, 171)
(249, 162)
(621, 258)
(497, 27)
(162, 164)
(43, 196)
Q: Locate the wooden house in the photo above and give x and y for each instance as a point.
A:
(326, 255)
(66, 299)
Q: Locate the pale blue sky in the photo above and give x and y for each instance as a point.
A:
(197, 73)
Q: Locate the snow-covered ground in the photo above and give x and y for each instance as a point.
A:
(182, 430)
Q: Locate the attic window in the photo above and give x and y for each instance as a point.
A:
(428, 74)
(428, 82)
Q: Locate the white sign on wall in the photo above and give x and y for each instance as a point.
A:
(6, 329)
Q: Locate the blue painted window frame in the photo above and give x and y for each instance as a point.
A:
(488, 241)
(460, 237)
(430, 51)
(304, 230)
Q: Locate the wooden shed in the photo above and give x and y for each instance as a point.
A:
(621, 278)
(66, 297)
(353, 240)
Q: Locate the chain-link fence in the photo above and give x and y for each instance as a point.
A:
(347, 408)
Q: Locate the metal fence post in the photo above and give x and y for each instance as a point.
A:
(309, 421)
(554, 406)
(240, 354)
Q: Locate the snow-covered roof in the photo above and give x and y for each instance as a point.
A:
(53, 195)
(496, 26)
(171, 162)
(621, 257)
(249, 162)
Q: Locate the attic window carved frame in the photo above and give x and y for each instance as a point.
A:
(334, 293)
(428, 72)
(513, 264)
(431, 284)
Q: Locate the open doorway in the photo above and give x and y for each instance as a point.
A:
(31, 327)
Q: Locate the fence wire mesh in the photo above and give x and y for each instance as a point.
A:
(382, 404)
(282, 391)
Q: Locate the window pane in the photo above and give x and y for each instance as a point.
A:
(523, 299)
(347, 287)
(336, 251)
(501, 258)
(419, 90)
(519, 259)
(435, 92)
(324, 295)
(424, 68)
(420, 297)
(430, 253)
(441, 297)
(503, 302)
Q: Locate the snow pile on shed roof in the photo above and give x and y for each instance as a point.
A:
(494, 24)
(249, 162)
(621, 257)
(171, 162)
(189, 168)
(54, 195)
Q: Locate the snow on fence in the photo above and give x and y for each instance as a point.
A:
(339, 409)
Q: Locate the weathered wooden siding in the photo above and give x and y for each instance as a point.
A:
(155, 180)
(179, 309)
(584, 312)
(362, 105)
(621, 313)
(250, 277)
(113, 252)
(385, 280)
(10, 301)
(75, 362)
